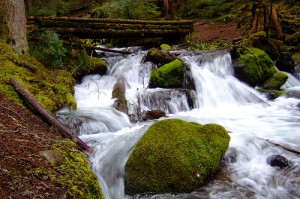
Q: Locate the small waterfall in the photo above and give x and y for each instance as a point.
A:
(215, 83)
(218, 98)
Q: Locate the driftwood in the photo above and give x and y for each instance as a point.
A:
(63, 130)
(106, 49)
(284, 147)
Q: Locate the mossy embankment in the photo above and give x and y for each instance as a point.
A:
(73, 173)
(53, 89)
(50, 87)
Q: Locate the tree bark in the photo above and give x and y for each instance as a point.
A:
(166, 7)
(15, 19)
(277, 25)
(64, 131)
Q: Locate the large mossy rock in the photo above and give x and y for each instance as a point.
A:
(253, 67)
(276, 81)
(170, 75)
(175, 156)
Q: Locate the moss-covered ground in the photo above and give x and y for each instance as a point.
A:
(52, 88)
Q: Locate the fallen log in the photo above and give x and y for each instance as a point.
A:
(284, 147)
(63, 130)
(106, 49)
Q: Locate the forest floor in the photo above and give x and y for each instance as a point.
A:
(208, 32)
(23, 135)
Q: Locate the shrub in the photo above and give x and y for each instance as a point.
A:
(48, 49)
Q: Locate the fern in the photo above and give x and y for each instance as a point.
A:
(49, 49)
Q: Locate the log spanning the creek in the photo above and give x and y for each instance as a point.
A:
(90, 28)
(63, 130)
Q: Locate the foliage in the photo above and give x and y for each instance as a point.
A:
(128, 9)
(48, 49)
(50, 8)
(168, 76)
(62, 7)
(175, 156)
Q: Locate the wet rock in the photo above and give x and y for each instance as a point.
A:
(153, 114)
(271, 94)
(54, 157)
(230, 156)
(285, 62)
(278, 161)
(276, 81)
(293, 94)
(119, 93)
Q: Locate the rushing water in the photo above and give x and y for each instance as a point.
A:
(218, 98)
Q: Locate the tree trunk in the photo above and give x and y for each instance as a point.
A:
(166, 7)
(64, 131)
(15, 20)
(277, 25)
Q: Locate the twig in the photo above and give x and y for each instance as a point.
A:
(284, 147)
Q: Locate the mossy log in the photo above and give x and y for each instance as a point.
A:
(112, 28)
(64, 131)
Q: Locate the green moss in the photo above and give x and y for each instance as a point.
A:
(271, 94)
(296, 57)
(254, 67)
(74, 175)
(165, 47)
(97, 65)
(168, 76)
(175, 156)
(276, 81)
(71, 102)
(48, 86)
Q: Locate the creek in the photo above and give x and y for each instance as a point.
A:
(218, 98)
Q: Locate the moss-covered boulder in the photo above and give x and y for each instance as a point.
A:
(175, 156)
(159, 57)
(253, 66)
(170, 75)
(276, 81)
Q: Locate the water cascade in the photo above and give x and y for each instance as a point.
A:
(218, 98)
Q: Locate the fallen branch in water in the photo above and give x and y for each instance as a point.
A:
(284, 147)
(63, 130)
(106, 49)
